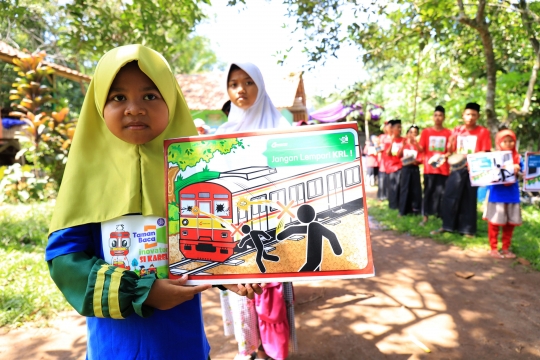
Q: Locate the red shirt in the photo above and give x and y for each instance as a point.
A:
(473, 141)
(435, 142)
(409, 150)
(383, 139)
(392, 163)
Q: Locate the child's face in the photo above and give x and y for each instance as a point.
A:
(438, 118)
(470, 116)
(135, 111)
(396, 130)
(242, 89)
(413, 133)
(507, 143)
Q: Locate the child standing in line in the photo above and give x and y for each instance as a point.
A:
(503, 209)
(458, 212)
(382, 190)
(372, 161)
(410, 186)
(434, 141)
(115, 171)
(392, 163)
(263, 328)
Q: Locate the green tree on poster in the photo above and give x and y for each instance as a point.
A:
(189, 154)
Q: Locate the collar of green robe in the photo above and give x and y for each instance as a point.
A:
(106, 177)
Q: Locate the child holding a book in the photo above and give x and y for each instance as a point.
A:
(115, 171)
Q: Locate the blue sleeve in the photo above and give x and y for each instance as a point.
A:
(93, 287)
(83, 238)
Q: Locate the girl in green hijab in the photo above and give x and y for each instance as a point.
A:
(110, 215)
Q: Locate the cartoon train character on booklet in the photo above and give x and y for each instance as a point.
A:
(212, 213)
(119, 243)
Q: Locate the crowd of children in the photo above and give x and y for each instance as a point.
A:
(447, 192)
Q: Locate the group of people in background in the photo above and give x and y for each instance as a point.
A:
(394, 163)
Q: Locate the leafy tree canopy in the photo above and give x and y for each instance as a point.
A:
(423, 53)
(79, 32)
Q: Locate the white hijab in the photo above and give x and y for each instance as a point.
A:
(261, 115)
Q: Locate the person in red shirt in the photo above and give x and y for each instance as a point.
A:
(410, 187)
(372, 159)
(392, 162)
(382, 191)
(434, 141)
(459, 201)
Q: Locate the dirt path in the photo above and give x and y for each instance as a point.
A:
(415, 296)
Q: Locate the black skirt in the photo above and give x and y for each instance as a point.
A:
(434, 185)
(373, 171)
(410, 191)
(393, 189)
(458, 210)
(382, 191)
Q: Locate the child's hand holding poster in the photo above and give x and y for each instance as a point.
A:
(531, 181)
(491, 168)
(267, 206)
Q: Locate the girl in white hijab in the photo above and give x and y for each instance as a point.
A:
(252, 109)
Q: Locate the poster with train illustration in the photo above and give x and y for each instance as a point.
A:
(491, 168)
(273, 205)
(531, 174)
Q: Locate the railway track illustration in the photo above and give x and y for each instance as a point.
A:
(328, 217)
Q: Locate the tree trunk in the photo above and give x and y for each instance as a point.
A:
(526, 19)
(491, 71)
(479, 24)
(532, 82)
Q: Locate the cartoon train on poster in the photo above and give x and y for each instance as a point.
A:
(211, 213)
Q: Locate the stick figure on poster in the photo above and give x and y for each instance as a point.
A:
(316, 232)
(255, 236)
(503, 174)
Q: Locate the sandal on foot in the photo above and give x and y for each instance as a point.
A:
(495, 254)
(438, 231)
(507, 254)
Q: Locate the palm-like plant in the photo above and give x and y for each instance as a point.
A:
(50, 133)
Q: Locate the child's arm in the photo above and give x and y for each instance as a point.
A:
(388, 150)
(167, 293)
(248, 290)
(400, 150)
(95, 288)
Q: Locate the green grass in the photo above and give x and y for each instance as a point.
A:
(28, 293)
(525, 241)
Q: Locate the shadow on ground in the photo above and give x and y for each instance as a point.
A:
(415, 300)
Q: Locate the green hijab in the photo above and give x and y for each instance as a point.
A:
(106, 177)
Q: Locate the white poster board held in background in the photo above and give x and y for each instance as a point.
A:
(531, 179)
(491, 168)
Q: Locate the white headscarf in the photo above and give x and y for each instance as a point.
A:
(261, 115)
